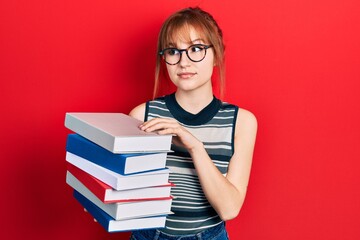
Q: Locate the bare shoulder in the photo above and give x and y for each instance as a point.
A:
(138, 112)
(246, 122)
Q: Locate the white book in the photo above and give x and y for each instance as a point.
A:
(136, 224)
(112, 225)
(116, 132)
(116, 180)
(107, 194)
(123, 210)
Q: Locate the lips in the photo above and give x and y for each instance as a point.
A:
(186, 75)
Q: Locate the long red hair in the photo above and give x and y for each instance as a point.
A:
(178, 26)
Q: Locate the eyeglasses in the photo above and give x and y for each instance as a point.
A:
(195, 53)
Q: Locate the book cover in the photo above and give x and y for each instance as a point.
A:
(116, 132)
(123, 210)
(112, 225)
(108, 195)
(116, 180)
(120, 163)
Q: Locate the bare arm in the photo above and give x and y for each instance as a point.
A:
(225, 194)
(138, 112)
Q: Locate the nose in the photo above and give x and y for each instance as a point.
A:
(184, 59)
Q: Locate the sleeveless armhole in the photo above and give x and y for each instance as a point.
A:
(146, 111)
(233, 130)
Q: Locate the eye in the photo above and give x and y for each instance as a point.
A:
(196, 48)
(172, 51)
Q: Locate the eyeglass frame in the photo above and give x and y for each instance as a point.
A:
(205, 47)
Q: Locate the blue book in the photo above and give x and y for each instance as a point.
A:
(120, 163)
(112, 225)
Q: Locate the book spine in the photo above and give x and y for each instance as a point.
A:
(101, 217)
(118, 181)
(132, 224)
(97, 171)
(90, 132)
(110, 209)
(95, 186)
(96, 154)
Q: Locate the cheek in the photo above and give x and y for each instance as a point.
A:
(170, 69)
(209, 72)
(171, 72)
(207, 68)
(209, 61)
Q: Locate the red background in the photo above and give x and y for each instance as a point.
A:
(295, 64)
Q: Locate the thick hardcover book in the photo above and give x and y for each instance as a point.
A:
(116, 180)
(124, 210)
(108, 195)
(117, 132)
(112, 225)
(120, 163)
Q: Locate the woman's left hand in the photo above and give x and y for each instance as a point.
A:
(181, 136)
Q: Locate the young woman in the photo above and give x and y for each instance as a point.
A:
(213, 141)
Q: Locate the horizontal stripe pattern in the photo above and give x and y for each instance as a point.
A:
(192, 211)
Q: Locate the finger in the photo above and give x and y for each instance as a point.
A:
(149, 123)
(155, 121)
(173, 131)
(162, 126)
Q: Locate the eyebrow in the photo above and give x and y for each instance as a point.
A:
(195, 41)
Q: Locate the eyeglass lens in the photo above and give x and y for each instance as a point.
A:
(195, 53)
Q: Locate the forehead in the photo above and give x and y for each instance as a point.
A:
(185, 34)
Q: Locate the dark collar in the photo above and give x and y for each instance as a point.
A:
(202, 117)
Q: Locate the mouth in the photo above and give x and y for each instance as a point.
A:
(186, 75)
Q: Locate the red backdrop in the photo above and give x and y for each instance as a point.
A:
(295, 64)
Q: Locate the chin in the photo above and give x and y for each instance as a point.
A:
(186, 86)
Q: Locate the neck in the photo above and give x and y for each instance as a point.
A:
(193, 101)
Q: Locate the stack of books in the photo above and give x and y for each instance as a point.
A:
(117, 171)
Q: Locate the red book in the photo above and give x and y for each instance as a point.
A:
(109, 195)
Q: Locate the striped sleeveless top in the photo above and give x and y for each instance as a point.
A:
(214, 126)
